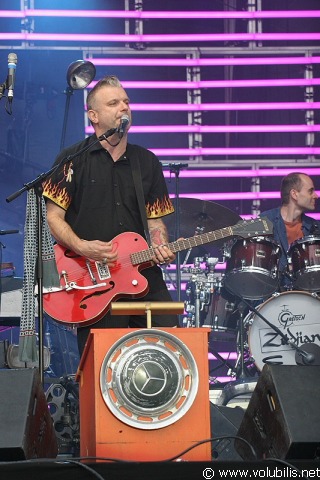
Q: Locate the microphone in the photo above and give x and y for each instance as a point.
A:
(12, 64)
(125, 120)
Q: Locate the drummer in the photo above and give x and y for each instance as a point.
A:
(290, 223)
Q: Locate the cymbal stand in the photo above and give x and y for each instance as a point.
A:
(197, 306)
(175, 168)
(240, 368)
(198, 231)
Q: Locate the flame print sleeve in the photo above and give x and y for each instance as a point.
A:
(159, 208)
(59, 191)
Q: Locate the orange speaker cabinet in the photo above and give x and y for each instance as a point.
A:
(127, 412)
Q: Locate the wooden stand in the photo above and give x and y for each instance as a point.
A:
(102, 434)
(140, 308)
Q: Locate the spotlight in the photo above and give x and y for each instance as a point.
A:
(79, 74)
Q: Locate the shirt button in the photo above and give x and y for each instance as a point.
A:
(118, 204)
(121, 224)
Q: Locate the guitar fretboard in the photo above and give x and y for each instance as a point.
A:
(184, 244)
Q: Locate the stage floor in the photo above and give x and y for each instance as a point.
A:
(63, 470)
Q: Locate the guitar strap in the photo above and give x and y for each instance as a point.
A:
(136, 174)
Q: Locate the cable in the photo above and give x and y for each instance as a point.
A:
(213, 439)
(86, 467)
(171, 459)
(283, 462)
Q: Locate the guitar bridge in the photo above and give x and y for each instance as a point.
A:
(103, 271)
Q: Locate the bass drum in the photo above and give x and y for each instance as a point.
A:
(296, 314)
(304, 259)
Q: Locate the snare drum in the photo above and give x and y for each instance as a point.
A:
(296, 314)
(252, 269)
(304, 260)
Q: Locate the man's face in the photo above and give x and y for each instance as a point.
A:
(108, 106)
(306, 196)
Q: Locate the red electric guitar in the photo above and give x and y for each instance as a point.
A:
(88, 288)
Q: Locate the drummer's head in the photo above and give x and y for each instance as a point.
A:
(295, 185)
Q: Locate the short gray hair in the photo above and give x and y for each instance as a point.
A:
(108, 80)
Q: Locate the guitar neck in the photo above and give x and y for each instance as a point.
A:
(184, 244)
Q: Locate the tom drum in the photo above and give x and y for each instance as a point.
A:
(304, 260)
(252, 269)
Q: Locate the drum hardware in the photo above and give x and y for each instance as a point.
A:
(198, 292)
(196, 269)
(243, 387)
(197, 231)
(240, 369)
(245, 379)
(63, 402)
(211, 263)
(222, 360)
(193, 215)
(201, 290)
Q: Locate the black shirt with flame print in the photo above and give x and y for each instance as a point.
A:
(98, 194)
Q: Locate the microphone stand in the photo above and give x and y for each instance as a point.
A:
(242, 374)
(175, 168)
(36, 184)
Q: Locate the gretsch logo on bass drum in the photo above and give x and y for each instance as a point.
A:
(287, 318)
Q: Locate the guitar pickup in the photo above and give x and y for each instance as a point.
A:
(103, 271)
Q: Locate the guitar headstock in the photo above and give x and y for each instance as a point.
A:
(253, 228)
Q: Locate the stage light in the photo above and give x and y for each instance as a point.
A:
(273, 82)
(141, 14)
(245, 173)
(212, 196)
(150, 38)
(79, 74)
(196, 152)
(217, 128)
(204, 62)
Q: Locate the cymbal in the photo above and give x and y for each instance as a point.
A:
(194, 214)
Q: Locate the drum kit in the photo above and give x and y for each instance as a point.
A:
(270, 325)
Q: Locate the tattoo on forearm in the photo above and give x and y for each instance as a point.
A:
(158, 236)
